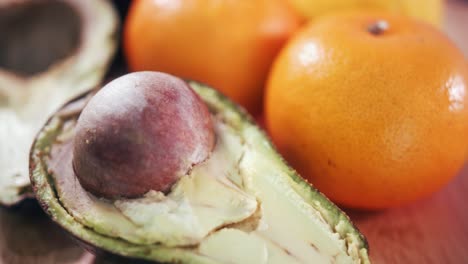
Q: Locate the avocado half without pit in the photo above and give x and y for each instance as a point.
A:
(50, 51)
(158, 169)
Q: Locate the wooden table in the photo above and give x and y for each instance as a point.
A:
(434, 230)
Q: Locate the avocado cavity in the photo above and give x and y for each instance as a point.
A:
(37, 35)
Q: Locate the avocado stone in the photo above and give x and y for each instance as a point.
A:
(293, 223)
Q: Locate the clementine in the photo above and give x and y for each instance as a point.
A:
(426, 10)
(370, 108)
(227, 44)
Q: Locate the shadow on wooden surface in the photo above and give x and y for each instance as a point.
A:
(28, 236)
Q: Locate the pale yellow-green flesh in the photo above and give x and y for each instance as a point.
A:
(221, 191)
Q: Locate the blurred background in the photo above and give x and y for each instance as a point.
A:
(456, 21)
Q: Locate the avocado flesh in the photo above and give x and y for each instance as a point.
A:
(41, 67)
(291, 222)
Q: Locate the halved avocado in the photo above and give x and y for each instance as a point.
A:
(293, 222)
(50, 51)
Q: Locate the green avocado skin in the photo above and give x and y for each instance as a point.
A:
(124, 252)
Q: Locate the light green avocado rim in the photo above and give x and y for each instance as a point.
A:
(43, 186)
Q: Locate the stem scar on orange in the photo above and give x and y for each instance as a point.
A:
(227, 44)
(370, 108)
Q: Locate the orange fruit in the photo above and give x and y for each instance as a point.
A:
(426, 10)
(227, 44)
(370, 108)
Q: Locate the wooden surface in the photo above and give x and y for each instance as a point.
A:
(434, 230)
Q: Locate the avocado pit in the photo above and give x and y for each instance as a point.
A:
(37, 34)
(140, 132)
